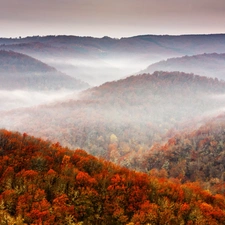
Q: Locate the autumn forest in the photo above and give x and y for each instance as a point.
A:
(109, 131)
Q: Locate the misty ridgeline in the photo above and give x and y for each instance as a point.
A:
(153, 104)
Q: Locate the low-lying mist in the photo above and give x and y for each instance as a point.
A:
(98, 71)
(20, 98)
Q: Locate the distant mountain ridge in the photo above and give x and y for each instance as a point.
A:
(85, 57)
(107, 40)
(180, 45)
(19, 71)
(16, 62)
(204, 64)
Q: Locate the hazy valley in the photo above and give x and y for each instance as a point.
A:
(98, 60)
(152, 104)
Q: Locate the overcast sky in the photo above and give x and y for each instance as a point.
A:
(114, 18)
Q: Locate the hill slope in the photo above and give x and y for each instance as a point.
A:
(121, 120)
(43, 183)
(197, 155)
(19, 71)
(211, 65)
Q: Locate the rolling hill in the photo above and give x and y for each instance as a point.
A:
(121, 120)
(211, 65)
(19, 71)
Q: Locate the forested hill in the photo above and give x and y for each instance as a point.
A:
(158, 83)
(193, 156)
(19, 71)
(121, 120)
(211, 65)
(43, 183)
(20, 63)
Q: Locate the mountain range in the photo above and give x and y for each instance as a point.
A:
(98, 60)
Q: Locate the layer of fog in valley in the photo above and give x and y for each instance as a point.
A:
(98, 71)
(16, 99)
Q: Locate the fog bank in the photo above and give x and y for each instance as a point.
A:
(19, 98)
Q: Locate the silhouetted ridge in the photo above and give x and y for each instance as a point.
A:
(98, 60)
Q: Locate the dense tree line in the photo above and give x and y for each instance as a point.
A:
(196, 155)
(43, 183)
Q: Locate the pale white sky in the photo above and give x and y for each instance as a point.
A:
(117, 18)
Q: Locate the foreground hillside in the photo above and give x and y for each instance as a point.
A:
(43, 183)
(121, 120)
(19, 71)
(211, 65)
